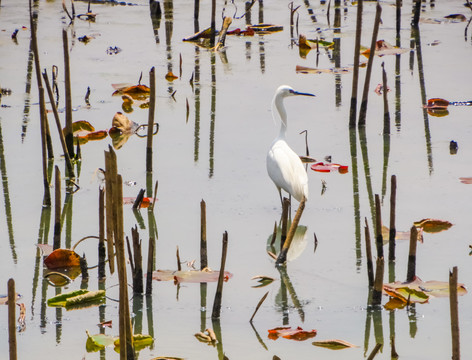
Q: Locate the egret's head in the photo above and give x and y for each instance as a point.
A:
(284, 91)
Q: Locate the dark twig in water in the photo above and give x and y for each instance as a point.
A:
(392, 233)
(374, 351)
(368, 250)
(258, 306)
(203, 236)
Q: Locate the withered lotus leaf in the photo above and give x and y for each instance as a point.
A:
(287, 332)
(384, 48)
(60, 258)
(123, 124)
(334, 344)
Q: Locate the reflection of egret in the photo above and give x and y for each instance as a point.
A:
(297, 246)
(283, 165)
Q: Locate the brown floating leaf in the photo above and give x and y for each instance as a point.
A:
(307, 70)
(170, 76)
(60, 258)
(266, 28)
(106, 324)
(204, 34)
(334, 344)
(437, 103)
(137, 92)
(432, 225)
(263, 280)
(287, 332)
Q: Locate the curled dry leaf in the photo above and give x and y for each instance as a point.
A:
(287, 332)
(437, 103)
(307, 159)
(334, 344)
(21, 318)
(466, 180)
(248, 32)
(432, 225)
(266, 28)
(308, 70)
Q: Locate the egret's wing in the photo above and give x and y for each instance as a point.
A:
(286, 170)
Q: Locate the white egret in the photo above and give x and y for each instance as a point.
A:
(283, 165)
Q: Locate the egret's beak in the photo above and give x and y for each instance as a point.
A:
(301, 93)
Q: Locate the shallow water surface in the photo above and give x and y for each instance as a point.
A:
(218, 154)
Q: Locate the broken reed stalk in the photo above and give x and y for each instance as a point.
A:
(126, 335)
(224, 29)
(274, 234)
(139, 199)
(149, 266)
(285, 211)
(152, 110)
(393, 352)
(282, 258)
(84, 269)
(179, 265)
(386, 129)
(70, 169)
(68, 94)
(378, 227)
(355, 75)
(203, 236)
(101, 235)
(368, 251)
(57, 209)
(47, 192)
(110, 175)
(411, 272)
(378, 282)
(12, 319)
(374, 351)
(196, 12)
(365, 94)
(393, 231)
(453, 304)
(219, 288)
(258, 306)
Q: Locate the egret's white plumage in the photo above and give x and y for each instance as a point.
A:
(283, 165)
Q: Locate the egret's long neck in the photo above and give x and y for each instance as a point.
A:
(279, 104)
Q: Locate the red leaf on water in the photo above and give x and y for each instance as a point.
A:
(62, 258)
(287, 332)
(329, 167)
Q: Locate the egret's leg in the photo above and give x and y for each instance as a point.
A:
(280, 195)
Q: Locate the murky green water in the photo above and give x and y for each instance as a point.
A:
(219, 155)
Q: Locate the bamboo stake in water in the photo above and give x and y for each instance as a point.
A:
(219, 289)
(126, 336)
(355, 75)
(392, 234)
(378, 227)
(282, 258)
(378, 283)
(152, 109)
(456, 354)
(12, 319)
(365, 94)
(203, 236)
(57, 209)
(411, 272)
